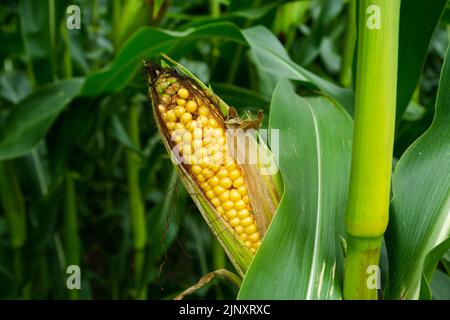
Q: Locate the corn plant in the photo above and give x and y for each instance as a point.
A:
(121, 175)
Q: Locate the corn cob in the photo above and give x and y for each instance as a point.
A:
(236, 199)
(197, 132)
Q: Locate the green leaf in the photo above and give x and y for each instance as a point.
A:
(32, 117)
(418, 20)
(420, 218)
(119, 132)
(249, 13)
(272, 57)
(429, 266)
(301, 254)
(35, 22)
(148, 43)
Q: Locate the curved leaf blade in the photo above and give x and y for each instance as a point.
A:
(149, 42)
(301, 256)
(420, 218)
(30, 120)
(418, 20)
(272, 57)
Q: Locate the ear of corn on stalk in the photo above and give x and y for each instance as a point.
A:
(235, 199)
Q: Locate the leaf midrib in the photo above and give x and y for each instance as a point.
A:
(313, 273)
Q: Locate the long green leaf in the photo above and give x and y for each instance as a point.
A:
(301, 256)
(147, 43)
(32, 117)
(272, 57)
(420, 218)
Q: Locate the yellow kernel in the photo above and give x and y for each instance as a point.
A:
(248, 244)
(191, 106)
(243, 213)
(239, 182)
(220, 210)
(181, 102)
(234, 195)
(225, 196)
(206, 141)
(231, 214)
(187, 137)
(231, 165)
(234, 174)
(228, 205)
(179, 127)
(209, 194)
(223, 173)
(197, 144)
(213, 123)
(170, 125)
(246, 221)
(179, 111)
(239, 205)
(246, 199)
(218, 190)
(203, 111)
(214, 181)
(214, 167)
(170, 116)
(212, 149)
(201, 178)
(225, 183)
(234, 222)
(244, 236)
(242, 190)
(198, 134)
(205, 161)
(222, 141)
(239, 229)
(256, 245)
(202, 120)
(204, 186)
(186, 118)
(161, 108)
(215, 202)
(217, 158)
(250, 229)
(192, 125)
(186, 151)
(207, 173)
(177, 138)
(183, 93)
(254, 237)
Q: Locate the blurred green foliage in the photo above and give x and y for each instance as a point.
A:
(77, 158)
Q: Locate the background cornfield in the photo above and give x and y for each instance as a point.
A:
(86, 181)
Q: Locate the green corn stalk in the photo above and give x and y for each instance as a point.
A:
(239, 254)
(137, 208)
(376, 88)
